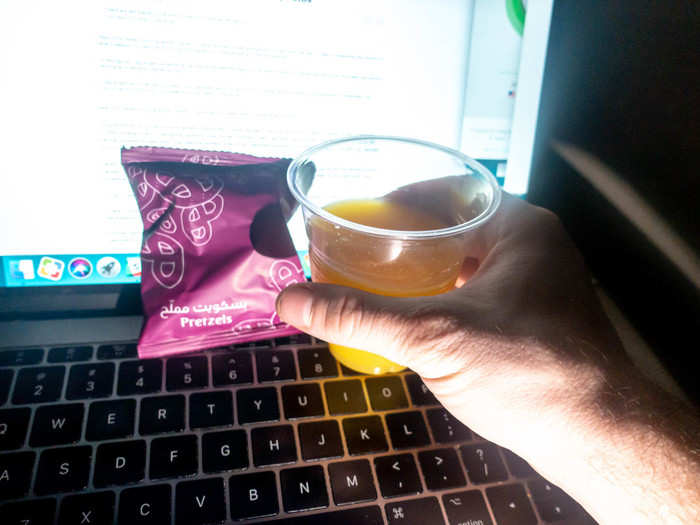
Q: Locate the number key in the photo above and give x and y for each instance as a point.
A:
(140, 377)
(38, 385)
(317, 362)
(232, 368)
(90, 381)
(187, 372)
(275, 365)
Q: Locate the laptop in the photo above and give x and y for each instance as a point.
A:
(273, 430)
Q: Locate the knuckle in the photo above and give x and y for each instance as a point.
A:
(342, 316)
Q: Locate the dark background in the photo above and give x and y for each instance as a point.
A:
(622, 82)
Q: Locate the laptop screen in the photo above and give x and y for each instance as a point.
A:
(264, 77)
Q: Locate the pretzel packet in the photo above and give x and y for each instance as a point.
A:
(216, 250)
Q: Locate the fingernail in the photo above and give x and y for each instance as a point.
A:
(293, 305)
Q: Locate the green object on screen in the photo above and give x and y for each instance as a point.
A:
(516, 14)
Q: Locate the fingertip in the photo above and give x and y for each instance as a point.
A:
(293, 305)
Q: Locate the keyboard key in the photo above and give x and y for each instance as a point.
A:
(173, 457)
(483, 463)
(273, 445)
(29, 512)
(362, 516)
(5, 382)
(349, 372)
(13, 427)
(162, 414)
(87, 509)
(233, 368)
(70, 354)
(316, 362)
(110, 420)
(38, 385)
(29, 356)
(351, 482)
(120, 463)
(543, 490)
(420, 395)
(414, 512)
(446, 429)
(345, 397)
(145, 505)
(556, 510)
(517, 465)
(364, 435)
(257, 405)
(186, 372)
(117, 351)
(15, 474)
(90, 381)
(466, 507)
(303, 488)
(57, 425)
(407, 430)
(302, 400)
(510, 505)
(226, 450)
(320, 440)
(294, 339)
(397, 475)
(441, 469)
(211, 409)
(63, 470)
(275, 365)
(140, 377)
(386, 393)
(249, 345)
(255, 495)
(200, 502)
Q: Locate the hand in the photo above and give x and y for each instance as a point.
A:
(522, 352)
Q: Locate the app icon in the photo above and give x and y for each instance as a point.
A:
(80, 268)
(22, 269)
(50, 268)
(133, 266)
(108, 267)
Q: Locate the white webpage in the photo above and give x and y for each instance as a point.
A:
(265, 77)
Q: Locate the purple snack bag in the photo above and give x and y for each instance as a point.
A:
(216, 250)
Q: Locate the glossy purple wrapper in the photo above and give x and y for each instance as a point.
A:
(216, 250)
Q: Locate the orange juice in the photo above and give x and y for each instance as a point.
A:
(380, 264)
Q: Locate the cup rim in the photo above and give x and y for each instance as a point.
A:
(402, 234)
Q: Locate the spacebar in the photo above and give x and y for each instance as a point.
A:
(362, 516)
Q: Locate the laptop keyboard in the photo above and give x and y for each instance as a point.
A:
(271, 431)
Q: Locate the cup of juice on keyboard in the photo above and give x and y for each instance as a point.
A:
(389, 215)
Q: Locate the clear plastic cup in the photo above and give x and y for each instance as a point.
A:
(388, 215)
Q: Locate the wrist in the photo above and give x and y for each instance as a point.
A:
(631, 457)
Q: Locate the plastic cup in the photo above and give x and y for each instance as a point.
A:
(421, 177)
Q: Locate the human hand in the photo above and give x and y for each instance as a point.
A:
(522, 353)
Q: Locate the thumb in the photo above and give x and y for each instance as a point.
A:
(408, 331)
